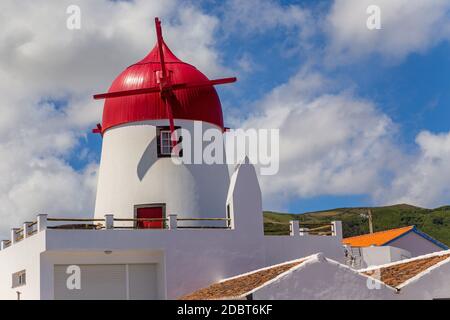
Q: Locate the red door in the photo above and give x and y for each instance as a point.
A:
(150, 213)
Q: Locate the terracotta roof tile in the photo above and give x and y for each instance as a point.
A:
(377, 238)
(396, 274)
(238, 286)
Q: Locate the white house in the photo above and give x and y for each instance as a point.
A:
(389, 246)
(160, 229)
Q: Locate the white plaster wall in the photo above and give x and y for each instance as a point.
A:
(435, 284)
(283, 248)
(131, 174)
(374, 256)
(24, 255)
(322, 279)
(415, 244)
(245, 200)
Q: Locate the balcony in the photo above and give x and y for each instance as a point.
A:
(172, 222)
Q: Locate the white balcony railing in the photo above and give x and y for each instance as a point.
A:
(172, 222)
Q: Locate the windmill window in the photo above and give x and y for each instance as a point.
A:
(165, 147)
(165, 143)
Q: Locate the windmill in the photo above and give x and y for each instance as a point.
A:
(165, 87)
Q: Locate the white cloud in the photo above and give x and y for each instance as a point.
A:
(408, 26)
(339, 144)
(333, 144)
(36, 46)
(285, 30)
(251, 17)
(425, 180)
(42, 61)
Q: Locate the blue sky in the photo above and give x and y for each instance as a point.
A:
(412, 91)
(363, 114)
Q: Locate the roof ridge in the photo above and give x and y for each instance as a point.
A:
(423, 273)
(358, 272)
(303, 259)
(301, 264)
(424, 256)
(401, 273)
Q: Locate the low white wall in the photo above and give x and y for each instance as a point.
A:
(374, 256)
(283, 248)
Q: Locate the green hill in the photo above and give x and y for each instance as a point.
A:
(435, 222)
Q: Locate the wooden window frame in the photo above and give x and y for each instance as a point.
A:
(159, 130)
(17, 276)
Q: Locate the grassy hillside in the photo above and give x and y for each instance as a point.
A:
(435, 222)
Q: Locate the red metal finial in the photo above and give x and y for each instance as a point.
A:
(159, 38)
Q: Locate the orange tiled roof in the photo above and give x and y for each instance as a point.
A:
(396, 274)
(237, 287)
(377, 238)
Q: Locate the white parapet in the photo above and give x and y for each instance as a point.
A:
(41, 222)
(26, 229)
(294, 228)
(337, 228)
(244, 201)
(14, 235)
(109, 221)
(4, 244)
(172, 222)
(303, 231)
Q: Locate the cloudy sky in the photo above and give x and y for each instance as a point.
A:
(363, 114)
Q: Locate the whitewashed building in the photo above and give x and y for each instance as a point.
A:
(387, 246)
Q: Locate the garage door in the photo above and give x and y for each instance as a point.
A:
(120, 281)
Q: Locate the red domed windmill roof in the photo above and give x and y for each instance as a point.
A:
(161, 86)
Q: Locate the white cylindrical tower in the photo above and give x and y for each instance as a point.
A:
(137, 177)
